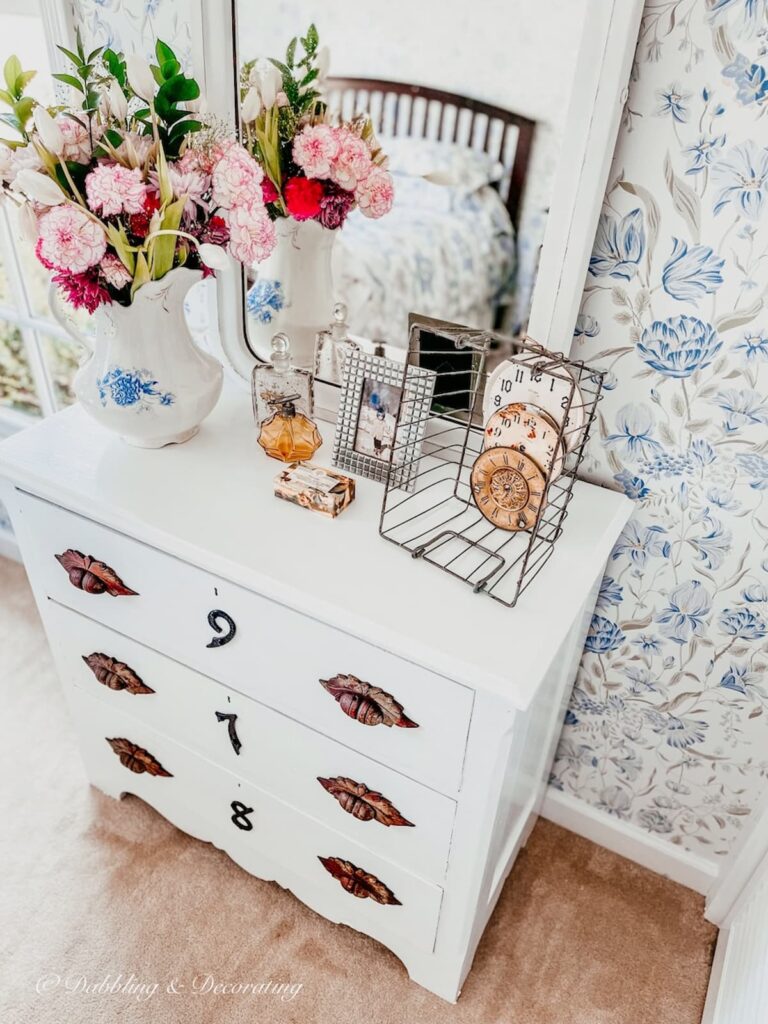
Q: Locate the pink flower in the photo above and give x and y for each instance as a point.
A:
(185, 181)
(236, 178)
(24, 158)
(83, 291)
(134, 148)
(114, 272)
(315, 149)
(252, 235)
(352, 162)
(375, 194)
(77, 141)
(70, 240)
(113, 189)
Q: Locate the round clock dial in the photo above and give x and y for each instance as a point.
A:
(508, 488)
(514, 382)
(529, 430)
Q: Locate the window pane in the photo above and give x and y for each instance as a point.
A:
(17, 388)
(62, 358)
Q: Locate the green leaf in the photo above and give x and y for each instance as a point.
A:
(310, 76)
(290, 53)
(6, 97)
(70, 80)
(163, 52)
(312, 38)
(141, 274)
(164, 247)
(72, 56)
(93, 54)
(179, 89)
(184, 128)
(23, 108)
(11, 120)
(115, 65)
(23, 81)
(156, 74)
(169, 69)
(79, 43)
(11, 72)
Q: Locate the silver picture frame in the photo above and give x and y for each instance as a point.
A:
(373, 439)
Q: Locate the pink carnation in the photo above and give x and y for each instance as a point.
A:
(352, 162)
(185, 181)
(70, 240)
(252, 235)
(113, 189)
(77, 140)
(135, 148)
(236, 178)
(114, 272)
(375, 194)
(315, 149)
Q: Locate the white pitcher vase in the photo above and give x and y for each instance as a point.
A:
(144, 378)
(293, 291)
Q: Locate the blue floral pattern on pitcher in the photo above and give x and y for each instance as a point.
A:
(265, 300)
(132, 388)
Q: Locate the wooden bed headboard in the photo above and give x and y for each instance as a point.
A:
(421, 112)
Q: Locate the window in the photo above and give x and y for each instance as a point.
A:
(37, 357)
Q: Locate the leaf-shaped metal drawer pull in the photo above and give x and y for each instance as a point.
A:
(363, 803)
(360, 883)
(87, 573)
(115, 674)
(136, 758)
(367, 704)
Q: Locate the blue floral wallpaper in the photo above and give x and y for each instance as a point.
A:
(667, 726)
(134, 26)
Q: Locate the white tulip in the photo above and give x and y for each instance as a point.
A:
(49, 132)
(213, 256)
(140, 77)
(251, 105)
(118, 104)
(26, 224)
(270, 80)
(323, 63)
(39, 187)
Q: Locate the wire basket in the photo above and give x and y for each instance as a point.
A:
(438, 521)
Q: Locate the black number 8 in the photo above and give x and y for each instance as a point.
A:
(213, 621)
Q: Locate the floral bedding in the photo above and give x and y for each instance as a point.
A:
(439, 252)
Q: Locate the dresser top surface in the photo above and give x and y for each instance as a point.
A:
(211, 502)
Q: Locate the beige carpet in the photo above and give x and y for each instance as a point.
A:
(96, 890)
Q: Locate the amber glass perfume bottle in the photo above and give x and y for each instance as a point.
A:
(272, 381)
(289, 435)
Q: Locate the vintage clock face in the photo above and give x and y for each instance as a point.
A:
(520, 383)
(508, 488)
(529, 430)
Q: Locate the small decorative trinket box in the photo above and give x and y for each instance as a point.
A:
(315, 488)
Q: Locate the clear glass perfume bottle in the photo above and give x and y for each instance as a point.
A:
(332, 347)
(275, 380)
(288, 434)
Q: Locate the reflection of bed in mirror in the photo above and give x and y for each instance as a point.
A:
(448, 248)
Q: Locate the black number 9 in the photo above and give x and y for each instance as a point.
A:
(213, 621)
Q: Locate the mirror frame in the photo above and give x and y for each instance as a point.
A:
(604, 61)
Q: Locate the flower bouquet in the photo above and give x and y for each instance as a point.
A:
(317, 169)
(129, 196)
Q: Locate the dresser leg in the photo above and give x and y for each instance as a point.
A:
(439, 974)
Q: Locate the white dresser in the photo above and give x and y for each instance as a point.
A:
(358, 727)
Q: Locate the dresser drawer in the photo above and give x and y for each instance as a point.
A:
(381, 809)
(336, 876)
(389, 709)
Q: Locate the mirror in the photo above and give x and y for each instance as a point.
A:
(469, 109)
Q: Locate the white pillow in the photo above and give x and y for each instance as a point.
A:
(444, 163)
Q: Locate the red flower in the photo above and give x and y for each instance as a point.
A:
(83, 291)
(216, 231)
(302, 197)
(138, 223)
(268, 191)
